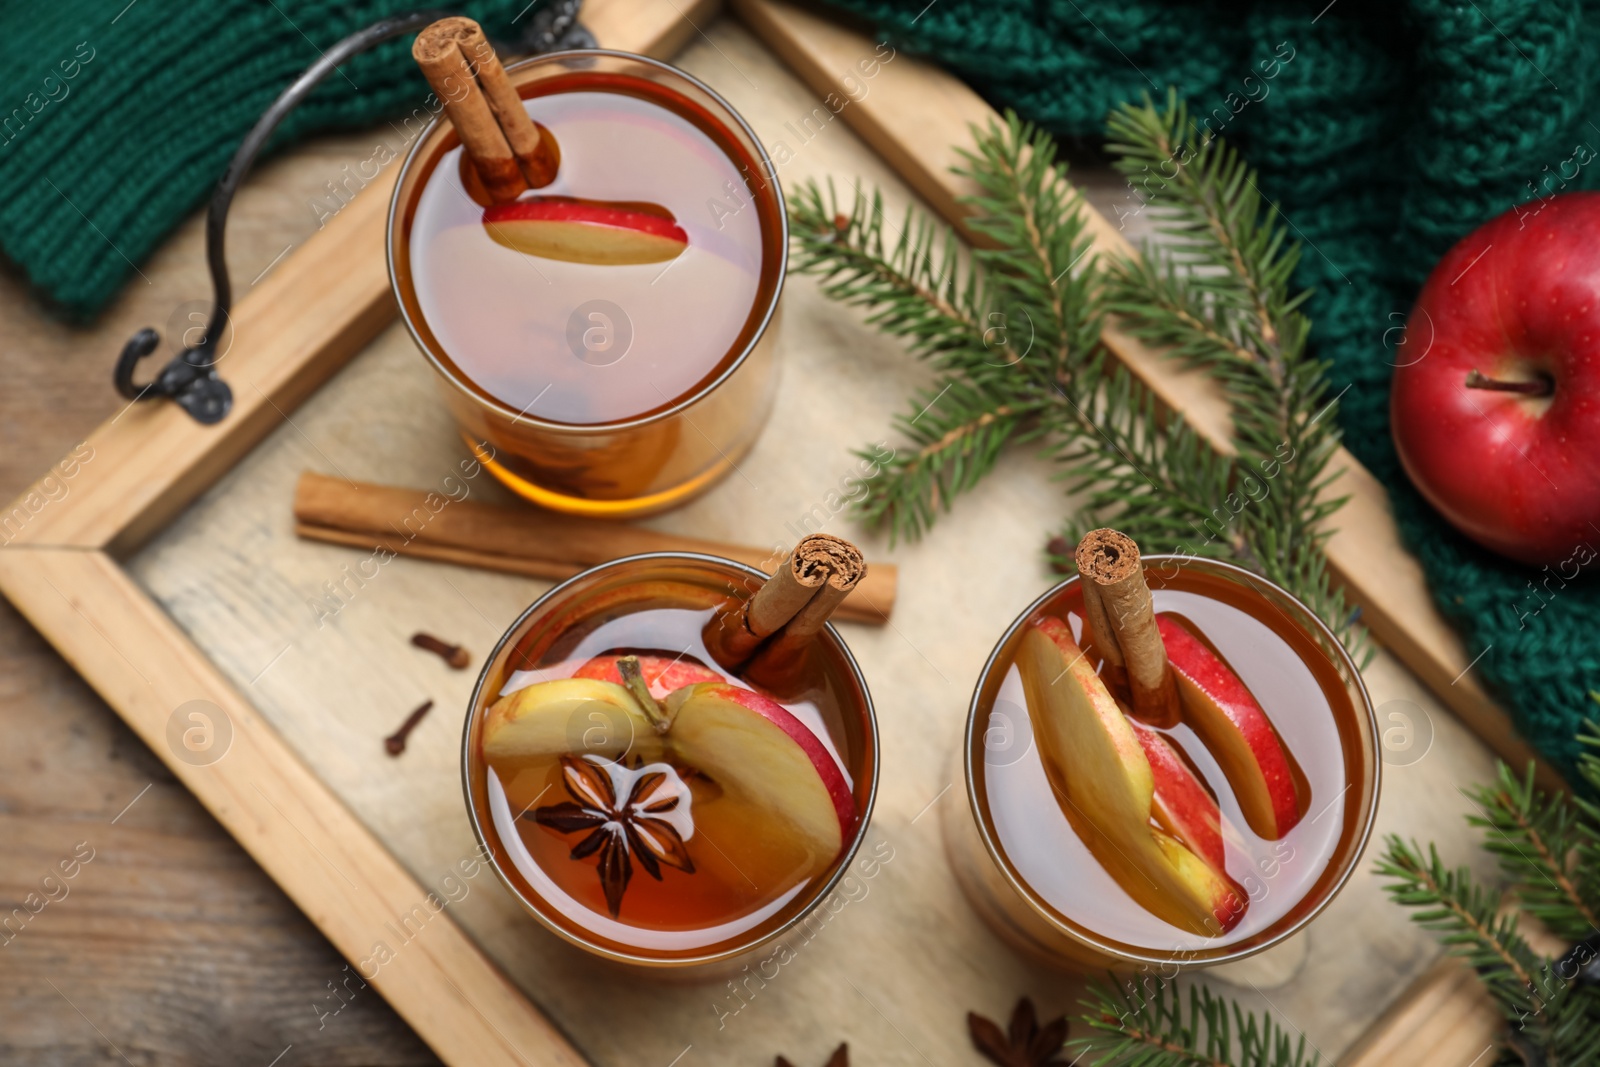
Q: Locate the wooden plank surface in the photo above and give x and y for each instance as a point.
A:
(390, 925)
(335, 676)
(915, 115)
(177, 949)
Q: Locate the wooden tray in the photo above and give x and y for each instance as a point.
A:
(168, 574)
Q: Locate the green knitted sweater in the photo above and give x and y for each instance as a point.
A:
(1385, 131)
(121, 116)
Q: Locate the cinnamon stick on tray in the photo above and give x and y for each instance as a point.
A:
(1121, 616)
(523, 540)
(510, 151)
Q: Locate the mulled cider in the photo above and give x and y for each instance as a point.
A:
(603, 338)
(1172, 763)
(658, 781)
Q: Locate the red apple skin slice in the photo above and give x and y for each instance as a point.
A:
(1221, 709)
(1104, 782)
(577, 231)
(753, 747)
(537, 720)
(1183, 806)
(662, 674)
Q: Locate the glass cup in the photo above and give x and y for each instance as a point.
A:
(1023, 875)
(635, 465)
(620, 604)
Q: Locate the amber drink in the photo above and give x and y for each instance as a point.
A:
(1101, 834)
(604, 340)
(639, 792)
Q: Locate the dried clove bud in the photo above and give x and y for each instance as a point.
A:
(454, 655)
(395, 743)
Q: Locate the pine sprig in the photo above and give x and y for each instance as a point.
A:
(1149, 1024)
(1014, 326)
(1469, 919)
(1216, 294)
(1552, 1018)
(1538, 841)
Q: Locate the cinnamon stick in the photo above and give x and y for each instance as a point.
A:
(510, 151)
(1121, 616)
(782, 617)
(518, 539)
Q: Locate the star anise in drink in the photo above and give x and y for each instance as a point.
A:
(637, 829)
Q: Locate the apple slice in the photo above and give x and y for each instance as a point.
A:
(539, 719)
(1105, 785)
(661, 673)
(1221, 709)
(1183, 807)
(756, 749)
(586, 231)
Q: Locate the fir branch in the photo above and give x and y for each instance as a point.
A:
(1216, 294)
(1451, 903)
(1014, 328)
(1537, 841)
(958, 432)
(1145, 1024)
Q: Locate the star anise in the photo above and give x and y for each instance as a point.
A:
(1024, 1044)
(840, 1058)
(636, 829)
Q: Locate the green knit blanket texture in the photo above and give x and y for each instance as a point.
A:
(122, 116)
(1385, 131)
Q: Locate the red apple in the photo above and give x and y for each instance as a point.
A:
(1225, 714)
(662, 674)
(1495, 406)
(1183, 806)
(755, 748)
(586, 231)
(1105, 785)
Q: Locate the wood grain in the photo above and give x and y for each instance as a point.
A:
(1447, 1017)
(175, 946)
(916, 116)
(361, 898)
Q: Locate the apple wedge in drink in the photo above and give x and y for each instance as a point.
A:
(754, 749)
(1182, 805)
(587, 231)
(1106, 786)
(538, 720)
(1220, 708)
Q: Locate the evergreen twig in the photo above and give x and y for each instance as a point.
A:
(1149, 1023)
(1013, 328)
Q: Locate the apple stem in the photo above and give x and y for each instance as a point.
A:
(1540, 386)
(633, 678)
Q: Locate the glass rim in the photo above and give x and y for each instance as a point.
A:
(847, 855)
(1180, 957)
(431, 133)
